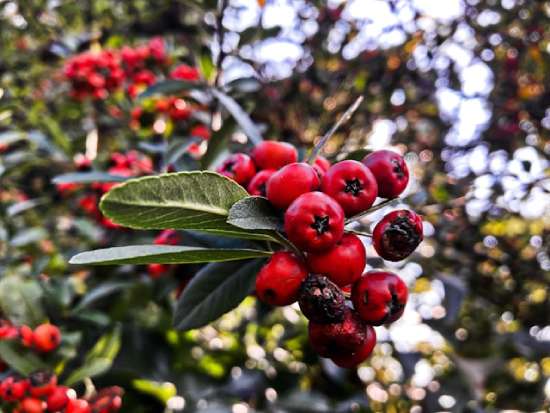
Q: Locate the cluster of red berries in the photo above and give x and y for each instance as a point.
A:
(40, 393)
(315, 201)
(45, 338)
(98, 74)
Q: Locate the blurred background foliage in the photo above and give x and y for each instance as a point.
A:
(459, 86)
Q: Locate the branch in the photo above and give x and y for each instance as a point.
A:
(381, 205)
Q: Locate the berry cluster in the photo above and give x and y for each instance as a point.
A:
(40, 393)
(315, 201)
(45, 338)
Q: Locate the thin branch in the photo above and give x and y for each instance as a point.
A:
(360, 233)
(220, 32)
(381, 205)
(345, 117)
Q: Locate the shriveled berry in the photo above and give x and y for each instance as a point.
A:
(42, 383)
(273, 154)
(314, 222)
(238, 167)
(343, 264)
(32, 405)
(351, 360)
(58, 399)
(279, 280)
(352, 184)
(258, 184)
(290, 182)
(339, 339)
(397, 235)
(46, 337)
(390, 170)
(379, 297)
(321, 300)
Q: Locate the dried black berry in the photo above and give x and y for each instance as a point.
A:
(321, 300)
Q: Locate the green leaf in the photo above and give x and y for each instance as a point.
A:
(217, 144)
(163, 254)
(213, 291)
(242, 118)
(169, 87)
(87, 178)
(163, 391)
(28, 236)
(103, 290)
(21, 301)
(254, 212)
(99, 359)
(206, 65)
(20, 359)
(198, 200)
(357, 155)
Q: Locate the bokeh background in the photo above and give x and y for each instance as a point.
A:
(461, 87)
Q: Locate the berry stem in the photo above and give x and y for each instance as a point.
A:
(363, 214)
(344, 118)
(285, 242)
(360, 233)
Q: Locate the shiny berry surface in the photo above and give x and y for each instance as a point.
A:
(238, 167)
(290, 182)
(351, 360)
(397, 235)
(314, 222)
(274, 155)
(343, 264)
(390, 170)
(46, 337)
(321, 165)
(352, 184)
(379, 297)
(258, 184)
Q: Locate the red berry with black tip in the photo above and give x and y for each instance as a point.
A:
(321, 300)
(397, 235)
(379, 297)
(31, 405)
(274, 155)
(78, 406)
(279, 280)
(344, 340)
(58, 399)
(42, 383)
(314, 222)
(351, 360)
(352, 184)
(258, 184)
(321, 165)
(390, 170)
(13, 388)
(238, 167)
(46, 337)
(343, 264)
(290, 182)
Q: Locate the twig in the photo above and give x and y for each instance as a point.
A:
(360, 233)
(220, 32)
(344, 118)
(381, 205)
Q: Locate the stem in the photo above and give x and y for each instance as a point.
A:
(344, 118)
(360, 233)
(222, 5)
(286, 243)
(90, 389)
(373, 209)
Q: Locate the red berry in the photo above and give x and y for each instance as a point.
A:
(238, 167)
(30, 405)
(13, 388)
(352, 184)
(279, 281)
(26, 336)
(379, 297)
(42, 383)
(397, 235)
(157, 270)
(257, 185)
(390, 170)
(290, 182)
(314, 222)
(342, 341)
(321, 165)
(108, 400)
(274, 155)
(321, 300)
(168, 237)
(343, 264)
(58, 399)
(349, 361)
(78, 406)
(46, 337)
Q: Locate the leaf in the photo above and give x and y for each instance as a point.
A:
(103, 290)
(163, 391)
(28, 236)
(22, 360)
(242, 118)
(357, 155)
(254, 212)
(23, 206)
(163, 254)
(213, 291)
(99, 359)
(198, 200)
(206, 65)
(20, 301)
(87, 178)
(169, 87)
(217, 144)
